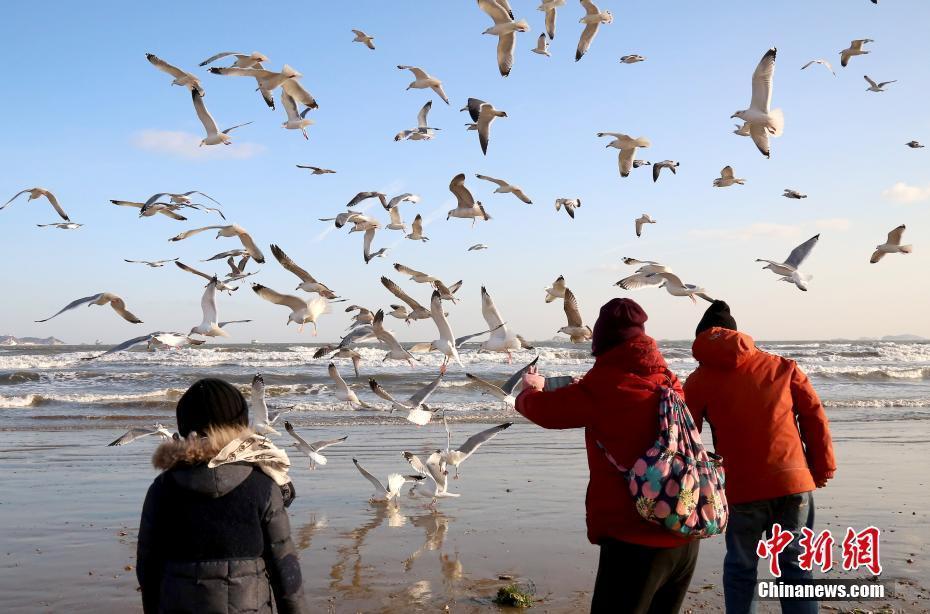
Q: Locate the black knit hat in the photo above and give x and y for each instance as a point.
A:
(718, 314)
(620, 320)
(211, 402)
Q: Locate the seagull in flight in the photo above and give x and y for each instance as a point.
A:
(215, 136)
(542, 46)
(137, 432)
(302, 311)
(506, 188)
(640, 221)
(556, 290)
(593, 19)
(220, 285)
(262, 423)
(312, 450)
(877, 87)
(307, 282)
(343, 392)
(395, 350)
(822, 62)
(627, 146)
(576, 329)
(102, 298)
(152, 263)
(658, 166)
(570, 205)
(35, 193)
(506, 391)
(483, 114)
(361, 37)
(384, 494)
(422, 81)
(789, 193)
(181, 77)
(457, 456)
(726, 178)
(762, 119)
(316, 170)
(435, 470)
(466, 205)
(505, 28)
(231, 230)
(789, 268)
(854, 49)
(423, 132)
(892, 245)
(416, 408)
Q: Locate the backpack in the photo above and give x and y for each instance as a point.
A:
(677, 483)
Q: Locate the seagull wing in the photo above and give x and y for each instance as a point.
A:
(119, 306)
(570, 305)
(505, 45)
(418, 72)
(421, 395)
(374, 481)
(474, 108)
(302, 444)
(872, 83)
(209, 124)
(249, 244)
(760, 137)
(626, 161)
(639, 280)
(489, 310)
(726, 172)
(475, 441)
(164, 66)
(396, 290)
(294, 302)
(290, 265)
(381, 392)
(27, 190)
(495, 11)
(421, 116)
(800, 253)
(486, 386)
(54, 202)
(550, 28)
(191, 269)
(193, 231)
(762, 82)
(876, 256)
(511, 383)
(221, 54)
(208, 303)
(461, 193)
(416, 463)
(132, 434)
(485, 117)
(894, 237)
(587, 36)
(439, 318)
(499, 182)
(76, 303)
(125, 345)
(290, 106)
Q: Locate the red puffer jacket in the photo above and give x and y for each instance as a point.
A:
(767, 421)
(617, 403)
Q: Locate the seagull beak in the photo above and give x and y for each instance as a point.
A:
(734, 115)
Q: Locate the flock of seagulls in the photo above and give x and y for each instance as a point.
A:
(312, 299)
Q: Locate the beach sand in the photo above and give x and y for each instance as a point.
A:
(70, 508)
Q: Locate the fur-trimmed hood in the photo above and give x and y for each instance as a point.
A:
(187, 460)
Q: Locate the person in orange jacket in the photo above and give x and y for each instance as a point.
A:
(643, 568)
(770, 428)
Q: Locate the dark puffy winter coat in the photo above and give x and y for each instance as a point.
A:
(617, 403)
(215, 541)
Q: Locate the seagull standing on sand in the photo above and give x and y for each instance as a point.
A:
(231, 230)
(262, 423)
(466, 205)
(645, 218)
(182, 78)
(549, 8)
(505, 28)
(215, 136)
(459, 455)
(542, 46)
(762, 119)
(343, 392)
(593, 19)
(501, 339)
(361, 37)
(312, 450)
(384, 494)
(727, 179)
(505, 188)
(855, 48)
(556, 290)
(576, 330)
(877, 87)
(103, 298)
(301, 311)
(570, 205)
(35, 193)
(789, 193)
(627, 146)
(892, 245)
(822, 62)
(422, 81)
(417, 411)
(789, 268)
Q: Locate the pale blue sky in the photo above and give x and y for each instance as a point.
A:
(80, 98)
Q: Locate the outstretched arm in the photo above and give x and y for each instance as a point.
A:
(564, 408)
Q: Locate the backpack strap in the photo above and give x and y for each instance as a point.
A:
(610, 458)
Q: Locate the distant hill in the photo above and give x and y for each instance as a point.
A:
(11, 340)
(905, 337)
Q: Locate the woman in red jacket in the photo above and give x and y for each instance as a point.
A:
(643, 567)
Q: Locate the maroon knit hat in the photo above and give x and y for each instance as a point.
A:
(620, 319)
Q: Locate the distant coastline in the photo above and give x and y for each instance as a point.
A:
(7, 340)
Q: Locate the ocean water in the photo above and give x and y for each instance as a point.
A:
(53, 388)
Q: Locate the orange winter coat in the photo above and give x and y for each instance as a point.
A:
(617, 403)
(768, 423)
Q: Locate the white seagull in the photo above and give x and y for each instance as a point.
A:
(295, 120)
(789, 268)
(506, 392)
(542, 45)
(182, 78)
(763, 120)
(262, 422)
(395, 350)
(502, 339)
(35, 193)
(416, 233)
(209, 327)
(789, 193)
(505, 28)
(549, 8)
(593, 19)
(556, 290)
(435, 470)
(215, 136)
(361, 37)
(422, 81)
(632, 58)
(483, 114)
(570, 205)
(342, 390)
(892, 245)
(301, 311)
(627, 146)
(307, 281)
(446, 344)
(417, 311)
(877, 87)
(137, 432)
(459, 455)
(423, 132)
(383, 493)
(222, 287)
(640, 221)
(726, 178)
(576, 330)
(231, 230)
(855, 48)
(102, 298)
(151, 263)
(417, 411)
(505, 188)
(312, 450)
(466, 205)
(822, 62)
(674, 286)
(658, 166)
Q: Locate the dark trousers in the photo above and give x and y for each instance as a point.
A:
(748, 523)
(639, 579)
